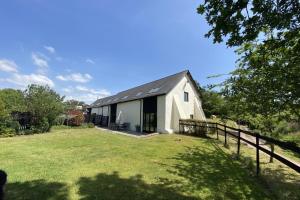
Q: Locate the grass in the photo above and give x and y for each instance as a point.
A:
(292, 137)
(281, 180)
(89, 164)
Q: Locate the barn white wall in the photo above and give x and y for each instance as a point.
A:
(177, 108)
(129, 112)
(105, 111)
(95, 110)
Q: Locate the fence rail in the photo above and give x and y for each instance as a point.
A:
(201, 128)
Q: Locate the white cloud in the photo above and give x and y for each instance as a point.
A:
(24, 80)
(85, 94)
(101, 92)
(8, 66)
(88, 60)
(50, 49)
(87, 98)
(39, 60)
(76, 77)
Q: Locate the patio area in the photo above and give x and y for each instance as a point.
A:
(126, 132)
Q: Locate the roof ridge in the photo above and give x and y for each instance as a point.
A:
(184, 71)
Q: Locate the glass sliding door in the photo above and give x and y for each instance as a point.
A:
(150, 115)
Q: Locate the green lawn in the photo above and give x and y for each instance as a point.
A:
(90, 164)
(292, 137)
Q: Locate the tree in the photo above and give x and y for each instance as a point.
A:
(244, 21)
(213, 103)
(13, 100)
(3, 112)
(44, 104)
(267, 79)
(72, 104)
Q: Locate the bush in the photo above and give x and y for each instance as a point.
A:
(76, 118)
(90, 125)
(14, 125)
(42, 126)
(60, 120)
(282, 128)
(7, 132)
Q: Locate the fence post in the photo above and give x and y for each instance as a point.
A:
(217, 131)
(225, 134)
(239, 143)
(257, 154)
(272, 150)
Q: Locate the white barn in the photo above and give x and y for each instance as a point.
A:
(154, 107)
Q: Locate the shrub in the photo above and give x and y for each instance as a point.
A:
(29, 131)
(7, 132)
(76, 118)
(90, 125)
(282, 128)
(14, 125)
(42, 126)
(60, 120)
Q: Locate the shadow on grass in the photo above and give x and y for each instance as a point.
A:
(113, 187)
(213, 174)
(36, 190)
(284, 184)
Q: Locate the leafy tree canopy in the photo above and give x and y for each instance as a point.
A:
(267, 34)
(3, 112)
(13, 100)
(43, 103)
(213, 103)
(244, 21)
(72, 104)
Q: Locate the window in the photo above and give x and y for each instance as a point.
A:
(192, 116)
(186, 96)
(153, 90)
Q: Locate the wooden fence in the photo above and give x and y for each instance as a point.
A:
(201, 128)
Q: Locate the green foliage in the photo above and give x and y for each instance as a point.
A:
(243, 21)
(266, 81)
(76, 120)
(60, 120)
(13, 100)
(189, 168)
(265, 87)
(44, 104)
(82, 126)
(72, 104)
(3, 112)
(90, 125)
(5, 130)
(292, 137)
(212, 103)
(14, 125)
(41, 126)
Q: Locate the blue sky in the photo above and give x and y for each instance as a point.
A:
(86, 49)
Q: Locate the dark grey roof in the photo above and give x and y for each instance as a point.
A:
(154, 88)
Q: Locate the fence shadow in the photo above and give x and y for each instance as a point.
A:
(36, 190)
(214, 174)
(113, 187)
